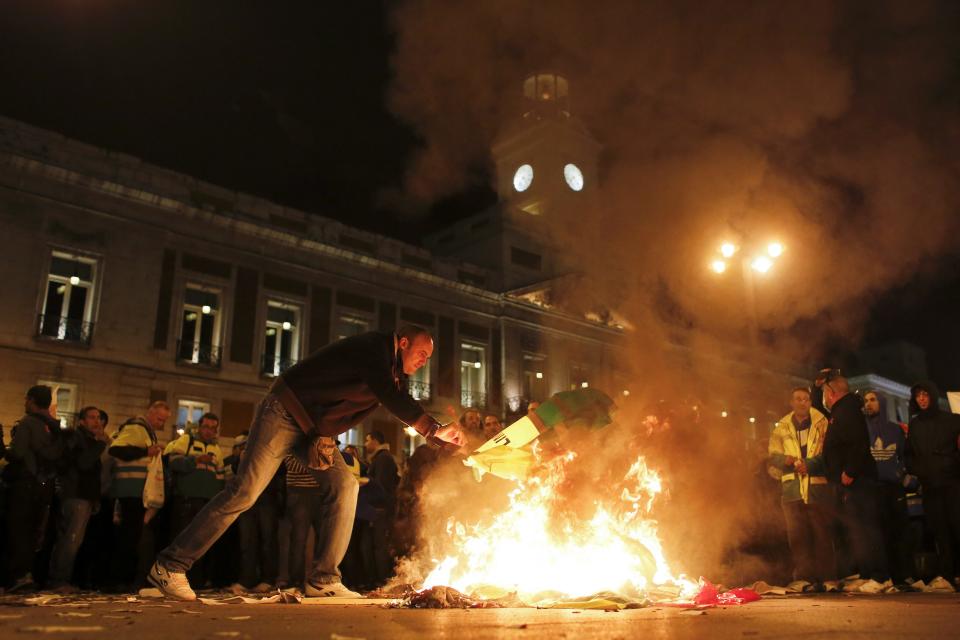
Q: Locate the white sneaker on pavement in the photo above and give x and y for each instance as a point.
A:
(329, 590)
(171, 583)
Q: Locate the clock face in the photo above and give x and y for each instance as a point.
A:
(523, 177)
(573, 176)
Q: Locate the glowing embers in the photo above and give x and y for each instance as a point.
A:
(538, 548)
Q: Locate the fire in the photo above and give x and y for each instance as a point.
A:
(529, 550)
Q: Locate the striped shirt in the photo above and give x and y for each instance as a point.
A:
(299, 476)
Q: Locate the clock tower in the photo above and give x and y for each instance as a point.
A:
(545, 158)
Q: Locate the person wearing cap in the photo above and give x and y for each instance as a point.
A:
(933, 455)
(322, 396)
(850, 468)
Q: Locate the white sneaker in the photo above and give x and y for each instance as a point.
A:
(329, 590)
(171, 583)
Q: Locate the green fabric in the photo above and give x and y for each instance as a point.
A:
(579, 408)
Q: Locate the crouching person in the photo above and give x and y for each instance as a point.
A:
(78, 478)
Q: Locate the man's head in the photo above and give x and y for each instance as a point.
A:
(373, 441)
(871, 403)
(416, 347)
(800, 402)
(470, 420)
(157, 415)
(491, 426)
(38, 399)
(834, 386)
(89, 420)
(104, 418)
(922, 397)
(209, 427)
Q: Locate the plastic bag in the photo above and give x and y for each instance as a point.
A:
(153, 487)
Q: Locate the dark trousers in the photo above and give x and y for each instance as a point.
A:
(941, 505)
(860, 513)
(895, 525)
(93, 558)
(305, 509)
(258, 543)
(125, 561)
(28, 508)
(810, 534)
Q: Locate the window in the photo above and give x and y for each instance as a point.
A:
(66, 401)
(349, 324)
(189, 412)
(419, 383)
(67, 312)
(200, 326)
(472, 376)
(534, 378)
(351, 436)
(281, 345)
(579, 377)
(526, 259)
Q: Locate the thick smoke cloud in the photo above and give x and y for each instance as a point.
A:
(831, 126)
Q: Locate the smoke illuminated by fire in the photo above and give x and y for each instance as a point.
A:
(540, 549)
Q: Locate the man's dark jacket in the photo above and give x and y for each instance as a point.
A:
(35, 449)
(80, 466)
(931, 450)
(846, 447)
(342, 383)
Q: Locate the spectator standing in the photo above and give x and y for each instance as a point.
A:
(491, 426)
(78, 482)
(887, 442)
(196, 463)
(382, 489)
(132, 448)
(796, 456)
(851, 469)
(932, 455)
(33, 455)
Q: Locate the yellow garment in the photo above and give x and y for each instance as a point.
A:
(504, 462)
(179, 447)
(784, 440)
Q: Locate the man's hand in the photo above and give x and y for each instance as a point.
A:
(154, 450)
(790, 461)
(206, 458)
(845, 479)
(451, 433)
(801, 467)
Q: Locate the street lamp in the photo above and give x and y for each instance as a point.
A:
(759, 262)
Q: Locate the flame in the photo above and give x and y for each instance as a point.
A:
(527, 551)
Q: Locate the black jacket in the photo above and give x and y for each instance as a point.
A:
(78, 475)
(342, 383)
(931, 452)
(35, 449)
(846, 447)
(384, 477)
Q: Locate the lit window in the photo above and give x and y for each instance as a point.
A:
(200, 326)
(579, 377)
(472, 376)
(67, 312)
(189, 412)
(419, 383)
(66, 401)
(534, 378)
(281, 345)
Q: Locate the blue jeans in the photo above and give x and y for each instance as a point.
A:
(273, 435)
(71, 527)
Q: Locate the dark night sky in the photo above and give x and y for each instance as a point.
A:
(290, 105)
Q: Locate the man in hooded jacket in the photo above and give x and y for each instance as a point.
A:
(887, 447)
(933, 455)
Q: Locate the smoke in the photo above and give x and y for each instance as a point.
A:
(829, 126)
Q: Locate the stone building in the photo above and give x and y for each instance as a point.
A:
(125, 283)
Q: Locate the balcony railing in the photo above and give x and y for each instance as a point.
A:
(272, 365)
(66, 329)
(207, 355)
(419, 390)
(473, 399)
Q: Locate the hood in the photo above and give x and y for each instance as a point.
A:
(882, 414)
(934, 392)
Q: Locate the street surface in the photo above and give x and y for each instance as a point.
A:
(846, 617)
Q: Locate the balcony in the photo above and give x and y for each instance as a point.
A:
(205, 355)
(70, 330)
(271, 365)
(473, 399)
(419, 390)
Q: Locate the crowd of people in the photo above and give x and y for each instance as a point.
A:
(846, 470)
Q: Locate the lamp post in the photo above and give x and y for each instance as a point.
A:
(752, 263)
